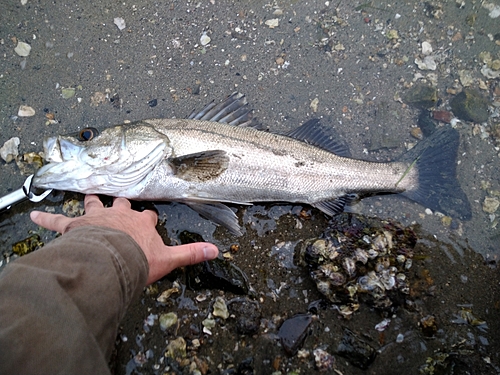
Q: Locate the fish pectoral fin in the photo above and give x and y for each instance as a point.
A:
(218, 213)
(335, 206)
(200, 166)
(314, 133)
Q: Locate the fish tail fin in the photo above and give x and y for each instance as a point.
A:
(435, 159)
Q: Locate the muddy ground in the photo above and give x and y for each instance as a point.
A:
(348, 57)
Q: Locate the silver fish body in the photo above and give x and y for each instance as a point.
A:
(203, 163)
(262, 167)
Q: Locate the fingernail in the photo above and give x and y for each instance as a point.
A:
(210, 252)
(34, 214)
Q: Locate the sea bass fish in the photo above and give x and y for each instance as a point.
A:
(220, 156)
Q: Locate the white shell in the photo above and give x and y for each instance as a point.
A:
(22, 49)
(25, 111)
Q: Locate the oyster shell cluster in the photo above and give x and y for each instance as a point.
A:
(359, 259)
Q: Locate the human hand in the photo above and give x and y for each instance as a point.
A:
(140, 226)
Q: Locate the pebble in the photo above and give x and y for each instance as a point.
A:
(443, 116)
(9, 150)
(490, 205)
(426, 48)
(68, 92)
(314, 105)
(324, 361)
(416, 133)
(383, 325)
(220, 308)
(293, 332)
(176, 348)
(25, 111)
(22, 49)
(120, 23)
(167, 320)
(205, 39)
(470, 105)
(427, 63)
(272, 23)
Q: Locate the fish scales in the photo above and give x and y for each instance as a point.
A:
(264, 166)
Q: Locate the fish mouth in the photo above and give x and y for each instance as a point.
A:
(75, 167)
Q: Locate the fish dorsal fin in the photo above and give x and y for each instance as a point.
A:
(234, 110)
(200, 166)
(314, 133)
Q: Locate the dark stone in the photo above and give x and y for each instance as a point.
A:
(217, 274)
(421, 96)
(153, 103)
(425, 123)
(245, 367)
(247, 313)
(214, 274)
(470, 105)
(116, 101)
(293, 332)
(355, 350)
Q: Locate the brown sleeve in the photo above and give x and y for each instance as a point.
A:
(60, 306)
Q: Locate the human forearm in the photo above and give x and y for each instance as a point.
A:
(60, 306)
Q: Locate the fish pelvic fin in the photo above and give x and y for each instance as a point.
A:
(435, 159)
(335, 206)
(218, 213)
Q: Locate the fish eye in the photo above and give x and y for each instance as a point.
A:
(87, 134)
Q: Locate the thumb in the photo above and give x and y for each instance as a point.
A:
(189, 254)
(55, 222)
(172, 257)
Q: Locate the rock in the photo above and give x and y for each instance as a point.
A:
(428, 325)
(490, 205)
(417, 133)
(220, 308)
(425, 123)
(355, 350)
(443, 116)
(466, 78)
(68, 92)
(25, 111)
(421, 96)
(314, 105)
(247, 313)
(323, 360)
(22, 49)
(214, 274)
(176, 348)
(426, 48)
(293, 332)
(27, 245)
(217, 274)
(9, 150)
(272, 23)
(205, 39)
(428, 63)
(168, 320)
(120, 23)
(470, 105)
